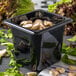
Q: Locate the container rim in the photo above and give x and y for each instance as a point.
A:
(64, 22)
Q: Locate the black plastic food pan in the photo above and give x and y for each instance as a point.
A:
(38, 49)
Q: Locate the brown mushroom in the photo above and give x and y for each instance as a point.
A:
(23, 23)
(72, 68)
(31, 74)
(26, 22)
(60, 70)
(38, 21)
(54, 72)
(29, 22)
(71, 74)
(28, 26)
(41, 27)
(47, 23)
(36, 25)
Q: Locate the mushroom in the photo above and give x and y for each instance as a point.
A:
(23, 23)
(29, 21)
(72, 68)
(2, 52)
(60, 70)
(38, 21)
(26, 22)
(31, 74)
(47, 23)
(36, 25)
(41, 27)
(28, 26)
(54, 72)
(71, 74)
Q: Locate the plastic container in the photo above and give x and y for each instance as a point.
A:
(39, 49)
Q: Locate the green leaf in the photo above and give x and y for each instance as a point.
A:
(73, 39)
(5, 35)
(1, 73)
(9, 33)
(67, 60)
(2, 40)
(72, 52)
(52, 7)
(12, 62)
(12, 72)
(65, 48)
(1, 33)
(9, 44)
(66, 1)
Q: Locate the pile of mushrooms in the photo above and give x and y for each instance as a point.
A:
(57, 71)
(60, 70)
(38, 24)
(72, 71)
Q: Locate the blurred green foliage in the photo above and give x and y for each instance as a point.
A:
(53, 7)
(24, 6)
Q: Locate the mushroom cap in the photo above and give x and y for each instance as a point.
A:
(27, 26)
(48, 23)
(26, 22)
